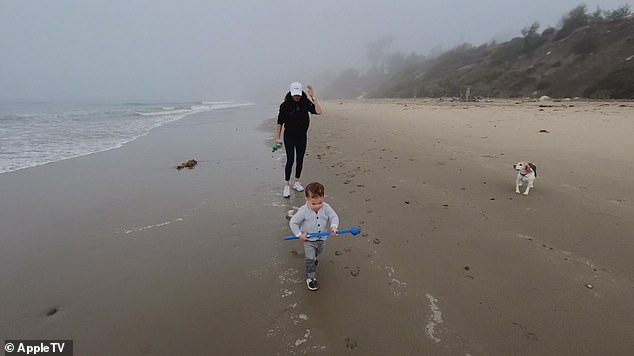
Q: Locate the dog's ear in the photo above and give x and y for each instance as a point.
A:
(534, 168)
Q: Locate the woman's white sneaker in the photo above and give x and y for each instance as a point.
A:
(287, 191)
(298, 187)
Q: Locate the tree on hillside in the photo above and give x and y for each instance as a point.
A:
(376, 51)
(532, 39)
(577, 17)
(398, 61)
(620, 13)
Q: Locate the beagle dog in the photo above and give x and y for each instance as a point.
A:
(526, 172)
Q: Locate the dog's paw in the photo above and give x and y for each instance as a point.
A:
(518, 191)
(525, 193)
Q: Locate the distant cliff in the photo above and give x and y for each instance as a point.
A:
(589, 55)
(592, 61)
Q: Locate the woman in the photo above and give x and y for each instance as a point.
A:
(294, 120)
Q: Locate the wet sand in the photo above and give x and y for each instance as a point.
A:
(138, 258)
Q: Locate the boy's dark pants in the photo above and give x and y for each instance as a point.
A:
(312, 249)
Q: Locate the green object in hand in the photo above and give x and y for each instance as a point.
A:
(276, 147)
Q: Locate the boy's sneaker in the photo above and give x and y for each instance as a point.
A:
(287, 191)
(312, 284)
(298, 187)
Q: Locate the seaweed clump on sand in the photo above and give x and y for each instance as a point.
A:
(189, 164)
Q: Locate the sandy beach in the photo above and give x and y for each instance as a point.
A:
(452, 260)
(131, 257)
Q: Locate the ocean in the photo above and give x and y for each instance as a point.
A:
(36, 133)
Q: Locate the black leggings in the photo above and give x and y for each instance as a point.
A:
(294, 144)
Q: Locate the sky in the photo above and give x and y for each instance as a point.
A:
(190, 50)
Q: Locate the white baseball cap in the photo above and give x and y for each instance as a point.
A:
(296, 88)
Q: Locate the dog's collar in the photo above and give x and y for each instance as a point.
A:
(525, 174)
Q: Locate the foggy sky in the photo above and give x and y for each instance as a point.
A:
(127, 50)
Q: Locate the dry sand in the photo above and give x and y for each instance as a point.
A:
(138, 258)
(452, 261)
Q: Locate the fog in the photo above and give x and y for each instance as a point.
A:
(149, 50)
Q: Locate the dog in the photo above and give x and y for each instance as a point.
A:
(526, 173)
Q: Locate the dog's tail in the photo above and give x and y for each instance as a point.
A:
(534, 168)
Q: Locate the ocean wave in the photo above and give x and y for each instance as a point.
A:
(164, 112)
(29, 139)
(204, 106)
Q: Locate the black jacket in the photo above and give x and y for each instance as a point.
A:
(294, 115)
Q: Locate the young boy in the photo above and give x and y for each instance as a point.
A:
(314, 216)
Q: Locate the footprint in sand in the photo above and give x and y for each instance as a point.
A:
(527, 333)
(52, 311)
(354, 271)
(350, 343)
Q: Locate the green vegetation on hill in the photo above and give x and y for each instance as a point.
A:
(591, 55)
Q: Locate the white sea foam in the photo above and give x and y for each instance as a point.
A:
(434, 320)
(165, 112)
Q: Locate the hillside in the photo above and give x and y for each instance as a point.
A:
(593, 61)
